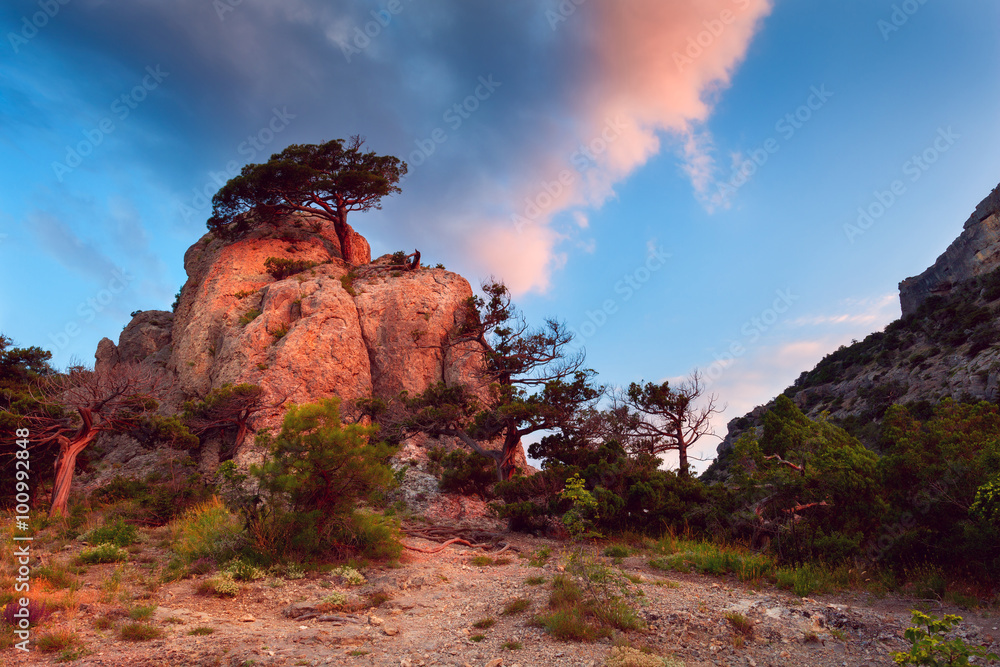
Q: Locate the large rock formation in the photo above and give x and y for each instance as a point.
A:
(332, 329)
(974, 253)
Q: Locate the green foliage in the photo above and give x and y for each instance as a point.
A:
(930, 647)
(336, 172)
(115, 532)
(280, 332)
(535, 383)
(20, 367)
(149, 502)
(616, 551)
(398, 257)
(243, 570)
(817, 496)
(142, 612)
(347, 282)
(986, 505)
(348, 575)
(249, 316)
(516, 606)
(467, 473)
(281, 268)
(58, 640)
(932, 472)
(157, 430)
(221, 585)
(139, 632)
(320, 469)
(102, 553)
(579, 519)
(208, 530)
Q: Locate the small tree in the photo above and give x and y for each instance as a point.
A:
(327, 180)
(670, 419)
(226, 409)
(320, 470)
(73, 409)
(533, 383)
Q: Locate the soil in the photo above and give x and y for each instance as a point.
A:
(434, 600)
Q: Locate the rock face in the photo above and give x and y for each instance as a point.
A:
(975, 252)
(330, 330)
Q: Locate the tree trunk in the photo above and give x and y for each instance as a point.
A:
(682, 453)
(511, 442)
(65, 467)
(343, 231)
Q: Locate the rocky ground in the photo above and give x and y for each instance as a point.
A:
(433, 602)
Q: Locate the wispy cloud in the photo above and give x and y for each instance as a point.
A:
(58, 239)
(866, 312)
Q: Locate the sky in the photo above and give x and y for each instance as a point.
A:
(733, 186)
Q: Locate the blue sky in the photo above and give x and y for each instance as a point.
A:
(116, 118)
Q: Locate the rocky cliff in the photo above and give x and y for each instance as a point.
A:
(974, 253)
(332, 329)
(946, 345)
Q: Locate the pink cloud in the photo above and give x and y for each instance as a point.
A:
(652, 70)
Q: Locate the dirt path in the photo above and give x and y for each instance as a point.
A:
(434, 602)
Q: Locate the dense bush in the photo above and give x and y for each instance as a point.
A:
(319, 473)
(281, 268)
(464, 472)
(631, 491)
(207, 530)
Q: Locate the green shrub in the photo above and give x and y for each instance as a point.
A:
(347, 282)
(616, 551)
(59, 640)
(103, 553)
(119, 489)
(626, 656)
(249, 316)
(139, 632)
(349, 575)
(142, 612)
(221, 585)
(117, 533)
(201, 631)
(740, 624)
(468, 473)
(929, 647)
(281, 268)
(540, 557)
(516, 606)
(484, 623)
(319, 471)
(294, 571)
(398, 257)
(208, 530)
(242, 570)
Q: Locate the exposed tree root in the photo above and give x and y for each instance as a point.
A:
(448, 535)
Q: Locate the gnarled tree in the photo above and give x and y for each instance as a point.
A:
(327, 180)
(227, 409)
(533, 382)
(670, 419)
(74, 408)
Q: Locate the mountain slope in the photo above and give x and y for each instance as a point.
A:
(947, 344)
